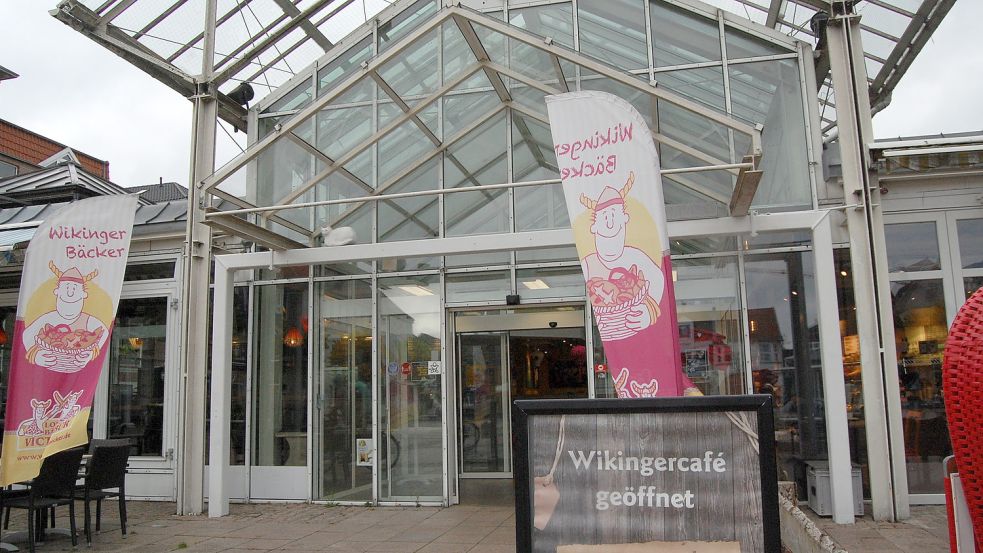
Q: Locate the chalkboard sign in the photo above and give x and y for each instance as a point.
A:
(693, 474)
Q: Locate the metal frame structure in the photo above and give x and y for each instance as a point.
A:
(747, 170)
(816, 222)
(264, 42)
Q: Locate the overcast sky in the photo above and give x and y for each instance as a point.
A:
(77, 93)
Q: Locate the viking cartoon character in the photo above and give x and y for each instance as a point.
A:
(625, 286)
(67, 338)
(616, 271)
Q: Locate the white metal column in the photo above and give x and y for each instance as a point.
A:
(868, 254)
(834, 387)
(191, 465)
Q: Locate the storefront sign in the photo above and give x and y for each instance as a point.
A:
(73, 273)
(645, 475)
(613, 188)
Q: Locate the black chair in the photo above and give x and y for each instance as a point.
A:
(105, 476)
(54, 485)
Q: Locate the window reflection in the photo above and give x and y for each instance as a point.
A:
(920, 331)
(912, 246)
(280, 380)
(411, 440)
(137, 358)
(8, 315)
(785, 356)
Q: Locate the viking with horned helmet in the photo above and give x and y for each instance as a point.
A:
(614, 260)
(70, 294)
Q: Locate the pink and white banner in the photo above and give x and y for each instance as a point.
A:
(613, 188)
(70, 287)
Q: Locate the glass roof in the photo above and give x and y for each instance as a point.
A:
(268, 42)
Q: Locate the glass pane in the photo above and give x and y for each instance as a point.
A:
(282, 170)
(463, 287)
(339, 130)
(681, 37)
(769, 93)
(552, 20)
(405, 22)
(970, 242)
(533, 157)
(920, 330)
(345, 389)
(614, 31)
(477, 259)
(550, 282)
(850, 342)
(705, 85)
(912, 247)
(548, 363)
(8, 315)
(406, 144)
(457, 55)
(709, 314)
(972, 284)
(415, 70)
(743, 45)
(297, 98)
(547, 254)
(149, 271)
(137, 358)
(343, 66)
(415, 217)
(484, 403)
(411, 441)
(478, 159)
(280, 376)
(785, 359)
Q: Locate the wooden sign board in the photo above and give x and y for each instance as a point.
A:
(694, 474)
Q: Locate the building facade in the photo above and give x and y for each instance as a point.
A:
(410, 268)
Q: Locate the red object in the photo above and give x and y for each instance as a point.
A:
(3, 338)
(962, 381)
(304, 323)
(599, 368)
(405, 368)
(950, 507)
(293, 338)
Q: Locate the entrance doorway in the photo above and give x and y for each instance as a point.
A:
(502, 356)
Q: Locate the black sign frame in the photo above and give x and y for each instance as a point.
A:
(760, 406)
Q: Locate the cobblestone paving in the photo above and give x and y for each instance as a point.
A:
(927, 531)
(302, 528)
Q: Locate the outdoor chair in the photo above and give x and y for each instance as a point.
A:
(104, 476)
(54, 485)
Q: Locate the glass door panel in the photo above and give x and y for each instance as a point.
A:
(279, 394)
(484, 435)
(344, 400)
(548, 363)
(410, 440)
(920, 330)
(136, 374)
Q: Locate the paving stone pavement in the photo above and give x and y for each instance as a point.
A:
(927, 531)
(301, 528)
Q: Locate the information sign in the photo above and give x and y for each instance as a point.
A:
(645, 475)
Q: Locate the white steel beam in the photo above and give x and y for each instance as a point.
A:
(195, 297)
(885, 448)
(834, 386)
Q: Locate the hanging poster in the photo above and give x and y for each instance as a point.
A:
(70, 287)
(364, 452)
(609, 170)
(646, 475)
